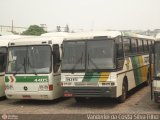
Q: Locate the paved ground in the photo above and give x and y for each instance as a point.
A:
(138, 102)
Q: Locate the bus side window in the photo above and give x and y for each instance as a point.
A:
(140, 46)
(152, 46)
(56, 58)
(119, 53)
(149, 45)
(127, 46)
(145, 43)
(134, 45)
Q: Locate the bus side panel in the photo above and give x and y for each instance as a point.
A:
(127, 72)
(55, 80)
(119, 84)
(140, 69)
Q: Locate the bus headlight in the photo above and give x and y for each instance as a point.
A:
(9, 87)
(43, 87)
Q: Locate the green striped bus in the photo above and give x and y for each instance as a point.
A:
(33, 68)
(104, 64)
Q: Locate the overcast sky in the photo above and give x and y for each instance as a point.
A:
(82, 14)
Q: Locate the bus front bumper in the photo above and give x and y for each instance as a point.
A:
(157, 96)
(90, 91)
(43, 95)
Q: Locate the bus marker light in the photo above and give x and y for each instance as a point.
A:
(50, 87)
(68, 94)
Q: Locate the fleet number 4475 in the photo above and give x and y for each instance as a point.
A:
(41, 80)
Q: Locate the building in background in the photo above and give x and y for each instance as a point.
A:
(11, 29)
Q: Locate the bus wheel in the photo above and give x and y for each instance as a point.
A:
(80, 99)
(3, 98)
(123, 97)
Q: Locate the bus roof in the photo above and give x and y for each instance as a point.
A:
(109, 34)
(36, 40)
(135, 35)
(158, 37)
(56, 34)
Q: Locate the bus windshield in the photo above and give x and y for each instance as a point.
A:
(73, 55)
(157, 59)
(100, 54)
(29, 59)
(88, 55)
(3, 58)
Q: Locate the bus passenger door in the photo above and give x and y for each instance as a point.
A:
(56, 66)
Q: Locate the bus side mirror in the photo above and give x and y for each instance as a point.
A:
(56, 58)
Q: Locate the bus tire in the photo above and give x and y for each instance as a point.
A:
(3, 98)
(80, 99)
(123, 97)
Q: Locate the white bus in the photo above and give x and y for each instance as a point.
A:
(104, 64)
(33, 68)
(4, 40)
(56, 34)
(156, 81)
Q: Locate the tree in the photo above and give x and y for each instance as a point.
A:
(34, 30)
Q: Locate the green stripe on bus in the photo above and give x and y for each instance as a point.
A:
(6, 79)
(91, 77)
(137, 72)
(28, 78)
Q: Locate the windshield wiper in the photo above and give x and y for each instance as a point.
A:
(90, 59)
(15, 69)
(19, 67)
(78, 61)
(29, 64)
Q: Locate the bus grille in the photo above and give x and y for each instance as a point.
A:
(86, 84)
(87, 92)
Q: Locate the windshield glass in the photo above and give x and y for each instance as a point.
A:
(88, 55)
(17, 56)
(29, 59)
(73, 55)
(39, 59)
(100, 54)
(3, 58)
(157, 59)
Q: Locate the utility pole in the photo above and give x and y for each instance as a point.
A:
(12, 27)
(66, 28)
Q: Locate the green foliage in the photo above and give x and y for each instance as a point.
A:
(34, 30)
